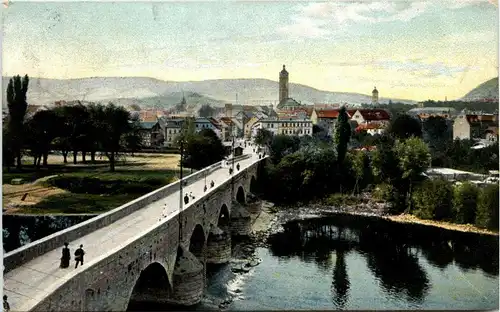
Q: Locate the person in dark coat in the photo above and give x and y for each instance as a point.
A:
(79, 253)
(186, 199)
(238, 167)
(212, 183)
(66, 257)
(6, 305)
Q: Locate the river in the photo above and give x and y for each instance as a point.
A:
(348, 262)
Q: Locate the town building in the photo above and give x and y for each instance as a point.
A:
(296, 127)
(423, 113)
(173, 128)
(475, 126)
(151, 133)
(367, 116)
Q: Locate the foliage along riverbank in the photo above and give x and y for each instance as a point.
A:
(313, 169)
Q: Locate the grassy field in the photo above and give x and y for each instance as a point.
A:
(86, 188)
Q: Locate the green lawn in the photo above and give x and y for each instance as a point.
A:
(79, 203)
(92, 190)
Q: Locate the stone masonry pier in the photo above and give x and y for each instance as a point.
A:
(154, 248)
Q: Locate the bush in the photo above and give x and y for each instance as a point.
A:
(433, 199)
(94, 185)
(487, 208)
(383, 192)
(465, 203)
(339, 200)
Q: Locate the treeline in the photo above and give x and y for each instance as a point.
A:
(87, 129)
(465, 203)
(307, 168)
(199, 149)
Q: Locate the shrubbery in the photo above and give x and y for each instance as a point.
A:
(487, 207)
(94, 185)
(466, 203)
(433, 200)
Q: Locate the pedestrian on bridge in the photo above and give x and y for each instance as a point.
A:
(6, 305)
(186, 199)
(66, 257)
(212, 183)
(238, 167)
(79, 253)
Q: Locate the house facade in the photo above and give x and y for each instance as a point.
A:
(469, 127)
(172, 130)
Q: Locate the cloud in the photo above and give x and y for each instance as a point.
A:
(318, 19)
(423, 69)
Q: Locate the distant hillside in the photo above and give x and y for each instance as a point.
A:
(153, 92)
(486, 90)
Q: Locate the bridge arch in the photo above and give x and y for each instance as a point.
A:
(253, 184)
(224, 217)
(240, 195)
(197, 242)
(152, 284)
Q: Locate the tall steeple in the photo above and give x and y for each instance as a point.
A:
(375, 95)
(283, 84)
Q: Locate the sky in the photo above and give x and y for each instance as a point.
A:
(414, 50)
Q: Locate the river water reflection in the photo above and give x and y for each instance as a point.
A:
(339, 262)
(346, 262)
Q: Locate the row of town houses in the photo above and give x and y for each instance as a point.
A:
(244, 121)
(298, 120)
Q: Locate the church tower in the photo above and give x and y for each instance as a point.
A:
(374, 96)
(283, 84)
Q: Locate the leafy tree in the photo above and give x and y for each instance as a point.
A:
(413, 159)
(263, 137)
(487, 207)
(76, 120)
(202, 149)
(342, 134)
(361, 169)
(283, 145)
(17, 106)
(116, 123)
(42, 128)
(405, 126)
(465, 203)
(433, 199)
(206, 111)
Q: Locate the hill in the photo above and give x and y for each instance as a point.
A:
(486, 90)
(149, 91)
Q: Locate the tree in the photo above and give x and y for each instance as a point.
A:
(202, 149)
(263, 137)
(76, 123)
(361, 169)
(404, 126)
(17, 106)
(342, 134)
(487, 207)
(116, 124)
(42, 128)
(465, 203)
(433, 200)
(206, 111)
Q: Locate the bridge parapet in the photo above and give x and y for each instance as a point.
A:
(39, 247)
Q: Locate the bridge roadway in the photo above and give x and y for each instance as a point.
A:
(26, 285)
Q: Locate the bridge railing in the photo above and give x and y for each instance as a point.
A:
(39, 247)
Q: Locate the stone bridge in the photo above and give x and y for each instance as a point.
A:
(150, 249)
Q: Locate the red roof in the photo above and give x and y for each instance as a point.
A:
(333, 113)
(374, 114)
(226, 120)
(214, 122)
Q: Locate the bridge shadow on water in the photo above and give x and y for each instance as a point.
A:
(391, 251)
